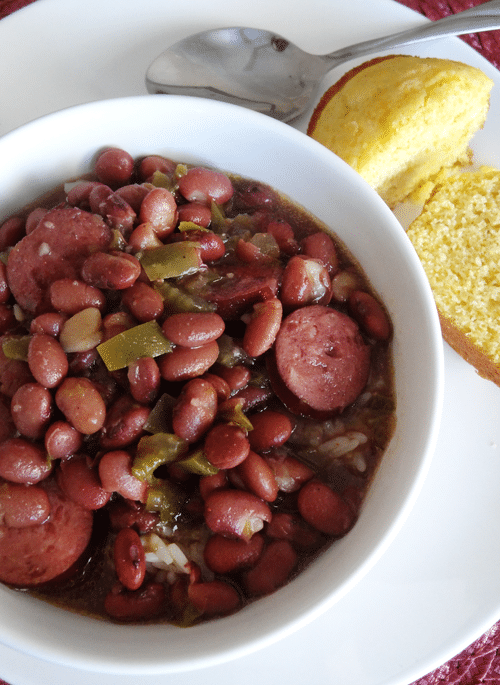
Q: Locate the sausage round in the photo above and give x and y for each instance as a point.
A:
(321, 358)
(38, 554)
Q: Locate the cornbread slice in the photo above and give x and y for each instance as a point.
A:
(399, 120)
(457, 237)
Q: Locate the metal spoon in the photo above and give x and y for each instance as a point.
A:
(261, 70)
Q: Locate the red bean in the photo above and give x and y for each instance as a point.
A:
(258, 477)
(208, 484)
(131, 514)
(203, 185)
(320, 246)
(290, 473)
(283, 233)
(50, 323)
(153, 163)
(23, 505)
(129, 558)
(324, 509)
(82, 405)
(370, 315)
(272, 569)
(114, 167)
(184, 363)
(47, 360)
(111, 271)
(237, 377)
(270, 429)
(159, 209)
(133, 194)
(214, 598)
(195, 212)
(7, 318)
(124, 424)
(78, 195)
(235, 513)
(286, 526)
(7, 426)
(225, 555)
(193, 329)
(343, 284)
(144, 379)
(263, 327)
(195, 410)
(81, 483)
(305, 281)
(70, 296)
(116, 323)
(226, 445)
(144, 303)
(136, 605)
(22, 461)
(62, 440)
(115, 473)
(31, 408)
(142, 238)
(11, 232)
(221, 387)
(4, 286)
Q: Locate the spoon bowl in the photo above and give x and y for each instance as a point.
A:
(263, 71)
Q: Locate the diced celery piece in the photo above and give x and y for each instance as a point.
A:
(154, 451)
(144, 340)
(172, 260)
(161, 180)
(191, 226)
(234, 414)
(230, 354)
(16, 347)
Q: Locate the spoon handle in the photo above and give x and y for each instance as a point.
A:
(484, 17)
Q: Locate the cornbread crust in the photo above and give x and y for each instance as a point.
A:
(457, 238)
(399, 120)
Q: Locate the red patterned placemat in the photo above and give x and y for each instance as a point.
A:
(480, 663)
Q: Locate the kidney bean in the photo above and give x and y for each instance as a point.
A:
(70, 296)
(7, 426)
(7, 318)
(82, 331)
(4, 286)
(136, 605)
(124, 423)
(290, 473)
(208, 484)
(143, 238)
(320, 246)
(184, 363)
(114, 167)
(82, 405)
(235, 513)
(370, 315)
(214, 598)
(153, 163)
(111, 271)
(286, 526)
(131, 514)
(81, 483)
(116, 323)
(197, 213)
(258, 477)
(78, 195)
(193, 329)
(305, 281)
(263, 327)
(283, 233)
(226, 555)
(115, 473)
(324, 509)
(195, 410)
(270, 429)
(49, 324)
(343, 284)
(203, 185)
(62, 440)
(82, 362)
(31, 408)
(47, 360)
(22, 461)
(11, 232)
(34, 218)
(226, 445)
(133, 194)
(144, 303)
(272, 569)
(129, 559)
(237, 377)
(159, 209)
(23, 505)
(221, 387)
(144, 379)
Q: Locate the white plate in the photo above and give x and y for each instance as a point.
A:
(437, 588)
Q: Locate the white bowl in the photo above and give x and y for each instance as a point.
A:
(60, 146)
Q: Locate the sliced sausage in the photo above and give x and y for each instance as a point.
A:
(40, 553)
(56, 249)
(321, 358)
